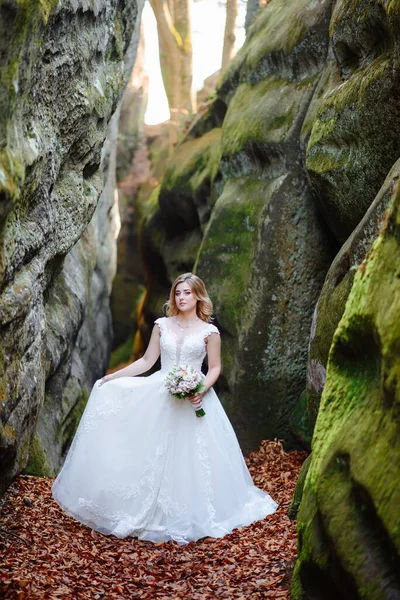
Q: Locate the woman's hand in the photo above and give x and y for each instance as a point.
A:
(105, 379)
(197, 400)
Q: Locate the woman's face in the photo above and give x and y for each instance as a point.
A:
(184, 297)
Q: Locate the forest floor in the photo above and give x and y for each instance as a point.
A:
(44, 554)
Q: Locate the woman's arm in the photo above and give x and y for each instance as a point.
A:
(142, 364)
(214, 366)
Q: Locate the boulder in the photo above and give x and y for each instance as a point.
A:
(63, 67)
(355, 113)
(348, 521)
(336, 289)
(265, 251)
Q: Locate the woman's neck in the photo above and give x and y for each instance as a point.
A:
(186, 317)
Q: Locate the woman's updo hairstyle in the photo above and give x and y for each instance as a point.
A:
(204, 308)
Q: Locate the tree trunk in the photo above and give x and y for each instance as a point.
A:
(175, 47)
(253, 7)
(229, 35)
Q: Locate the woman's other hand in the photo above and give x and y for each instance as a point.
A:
(105, 379)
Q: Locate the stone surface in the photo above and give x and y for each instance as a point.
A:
(133, 167)
(355, 112)
(258, 254)
(63, 68)
(336, 288)
(348, 521)
(234, 204)
(307, 113)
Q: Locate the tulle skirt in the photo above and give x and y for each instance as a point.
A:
(143, 464)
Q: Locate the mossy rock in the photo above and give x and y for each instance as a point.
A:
(283, 38)
(263, 115)
(298, 493)
(355, 113)
(38, 463)
(54, 118)
(229, 247)
(263, 281)
(348, 521)
(299, 422)
(185, 198)
(265, 250)
(336, 289)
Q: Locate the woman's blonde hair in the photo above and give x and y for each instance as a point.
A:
(204, 308)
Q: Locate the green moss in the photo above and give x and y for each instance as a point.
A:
(298, 493)
(356, 92)
(31, 16)
(116, 51)
(38, 463)
(7, 435)
(322, 126)
(194, 162)
(71, 423)
(280, 27)
(299, 422)
(393, 7)
(351, 493)
(12, 173)
(47, 6)
(264, 112)
(321, 161)
(150, 205)
(229, 244)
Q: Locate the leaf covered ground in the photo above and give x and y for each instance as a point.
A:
(44, 554)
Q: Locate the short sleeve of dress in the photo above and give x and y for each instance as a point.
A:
(212, 329)
(160, 322)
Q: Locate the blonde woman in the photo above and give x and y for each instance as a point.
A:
(141, 463)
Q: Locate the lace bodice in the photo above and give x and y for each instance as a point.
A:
(186, 348)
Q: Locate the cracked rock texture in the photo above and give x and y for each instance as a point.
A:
(283, 198)
(279, 176)
(63, 67)
(235, 205)
(348, 520)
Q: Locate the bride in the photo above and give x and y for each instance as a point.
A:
(142, 463)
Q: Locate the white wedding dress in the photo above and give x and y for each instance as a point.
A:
(143, 464)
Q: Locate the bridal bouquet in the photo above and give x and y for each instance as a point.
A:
(185, 381)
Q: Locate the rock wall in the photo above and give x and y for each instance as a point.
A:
(348, 515)
(235, 205)
(63, 68)
(348, 522)
(132, 171)
(353, 145)
(274, 191)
